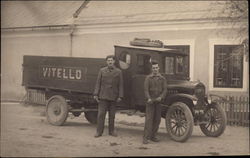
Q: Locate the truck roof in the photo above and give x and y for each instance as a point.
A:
(162, 50)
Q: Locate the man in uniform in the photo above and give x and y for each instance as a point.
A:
(108, 91)
(155, 89)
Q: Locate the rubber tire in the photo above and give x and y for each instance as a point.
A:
(189, 118)
(63, 110)
(222, 128)
(91, 116)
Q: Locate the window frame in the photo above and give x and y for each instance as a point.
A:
(245, 77)
(189, 42)
(186, 60)
(228, 67)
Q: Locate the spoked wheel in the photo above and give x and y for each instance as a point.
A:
(91, 116)
(57, 110)
(179, 122)
(217, 121)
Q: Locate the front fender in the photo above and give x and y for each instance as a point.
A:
(180, 97)
(212, 98)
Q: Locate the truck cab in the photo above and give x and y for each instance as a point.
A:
(134, 61)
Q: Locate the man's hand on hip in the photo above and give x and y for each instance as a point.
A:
(96, 98)
(119, 100)
(149, 101)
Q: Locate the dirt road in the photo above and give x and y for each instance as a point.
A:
(25, 132)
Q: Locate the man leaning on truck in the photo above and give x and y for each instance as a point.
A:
(155, 89)
(108, 91)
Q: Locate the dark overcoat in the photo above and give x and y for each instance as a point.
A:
(109, 84)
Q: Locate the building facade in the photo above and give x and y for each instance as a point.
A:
(192, 26)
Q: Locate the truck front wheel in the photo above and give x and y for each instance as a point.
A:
(179, 122)
(57, 110)
(217, 121)
(91, 116)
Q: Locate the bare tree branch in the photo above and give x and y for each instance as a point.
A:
(236, 13)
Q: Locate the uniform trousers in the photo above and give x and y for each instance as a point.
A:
(103, 107)
(152, 120)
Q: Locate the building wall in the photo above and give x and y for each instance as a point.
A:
(15, 46)
(97, 45)
(102, 44)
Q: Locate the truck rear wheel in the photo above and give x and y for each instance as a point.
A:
(216, 121)
(91, 116)
(57, 110)
(179, 122)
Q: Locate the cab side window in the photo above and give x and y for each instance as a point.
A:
(143, 65)
(124, 60)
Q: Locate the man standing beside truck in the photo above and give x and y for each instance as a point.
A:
(108, 91)
(155, 89)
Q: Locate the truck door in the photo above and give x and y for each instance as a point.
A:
(142, 68)
(124, 63)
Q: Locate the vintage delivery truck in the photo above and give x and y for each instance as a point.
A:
(68, 84)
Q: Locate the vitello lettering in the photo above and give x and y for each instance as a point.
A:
(61, 73)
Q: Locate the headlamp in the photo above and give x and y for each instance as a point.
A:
(194, 102)
(209, 99)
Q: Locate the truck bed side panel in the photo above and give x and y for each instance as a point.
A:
(62, 73)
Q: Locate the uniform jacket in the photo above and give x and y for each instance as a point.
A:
(109, 84)
(155, 86)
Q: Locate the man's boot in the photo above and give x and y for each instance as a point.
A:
(145, 141)
(155, 139)
(113, 134)
(97, 135)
